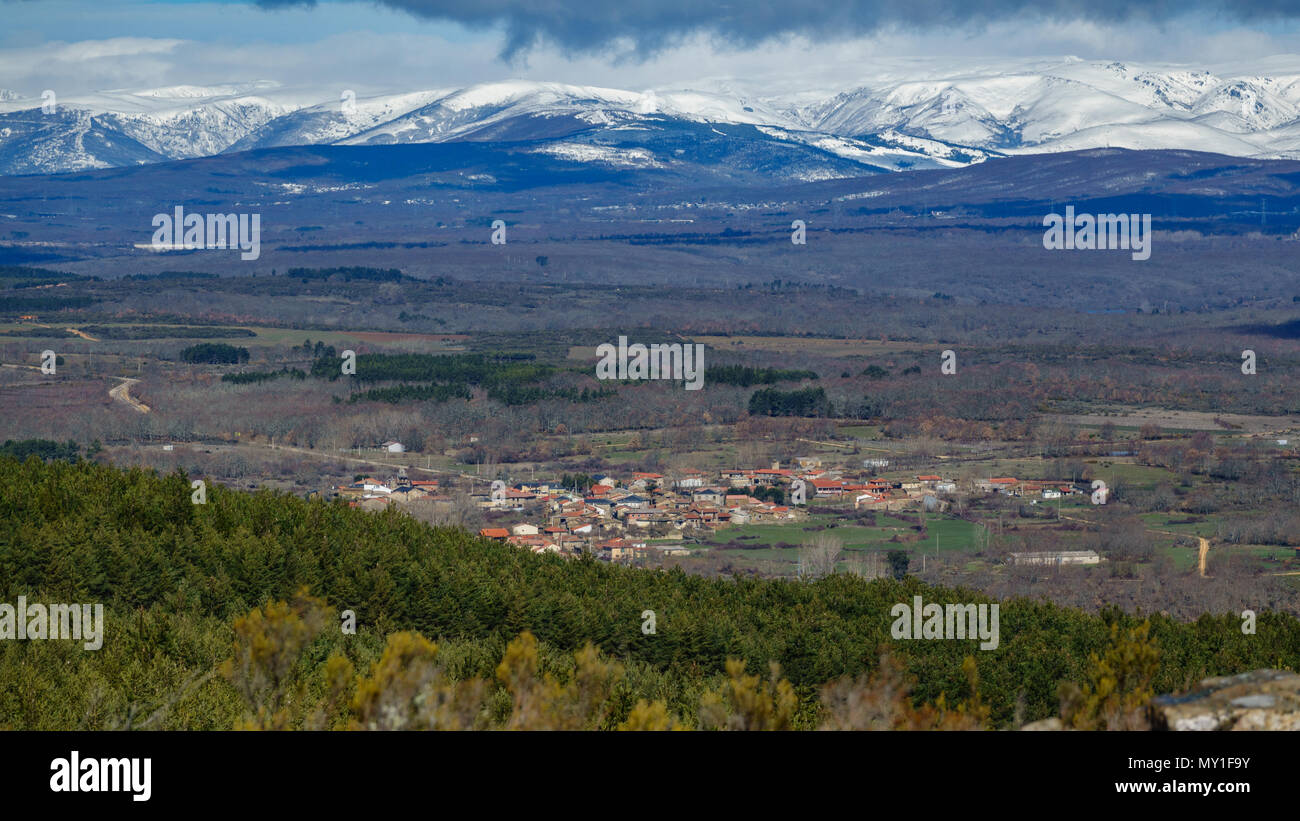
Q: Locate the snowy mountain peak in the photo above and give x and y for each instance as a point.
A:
(189, 92)
(931, 113)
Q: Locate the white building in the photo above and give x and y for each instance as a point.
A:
(1057, 557)
(392, 447)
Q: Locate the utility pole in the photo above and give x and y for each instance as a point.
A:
(925, 527)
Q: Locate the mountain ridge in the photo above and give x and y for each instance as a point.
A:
(931, 118)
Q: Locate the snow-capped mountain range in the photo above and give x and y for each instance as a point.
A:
(902, 117)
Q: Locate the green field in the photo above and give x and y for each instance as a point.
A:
(1144, 476)
(861, 431)
(1160, 521)
(942, 534)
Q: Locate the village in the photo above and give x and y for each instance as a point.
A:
(628, 518)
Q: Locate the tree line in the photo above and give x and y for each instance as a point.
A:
(746, 376)
(214, 353)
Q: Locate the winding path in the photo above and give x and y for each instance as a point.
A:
(122, 394)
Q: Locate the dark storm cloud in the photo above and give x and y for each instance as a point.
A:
(594, 25)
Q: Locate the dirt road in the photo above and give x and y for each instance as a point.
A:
(122, 394)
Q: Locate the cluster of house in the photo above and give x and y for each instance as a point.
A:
(622, 519)
(370, 493)
(1044, 488)
(614, 517)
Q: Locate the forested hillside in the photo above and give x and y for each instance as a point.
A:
(179, 580)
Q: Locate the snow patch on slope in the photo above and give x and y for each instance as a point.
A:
(604, 154)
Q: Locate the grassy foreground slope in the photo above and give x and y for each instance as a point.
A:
(176, 577)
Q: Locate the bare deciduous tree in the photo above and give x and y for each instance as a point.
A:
(820, 555)
(867, 564)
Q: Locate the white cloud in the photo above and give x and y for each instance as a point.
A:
(211, 43)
